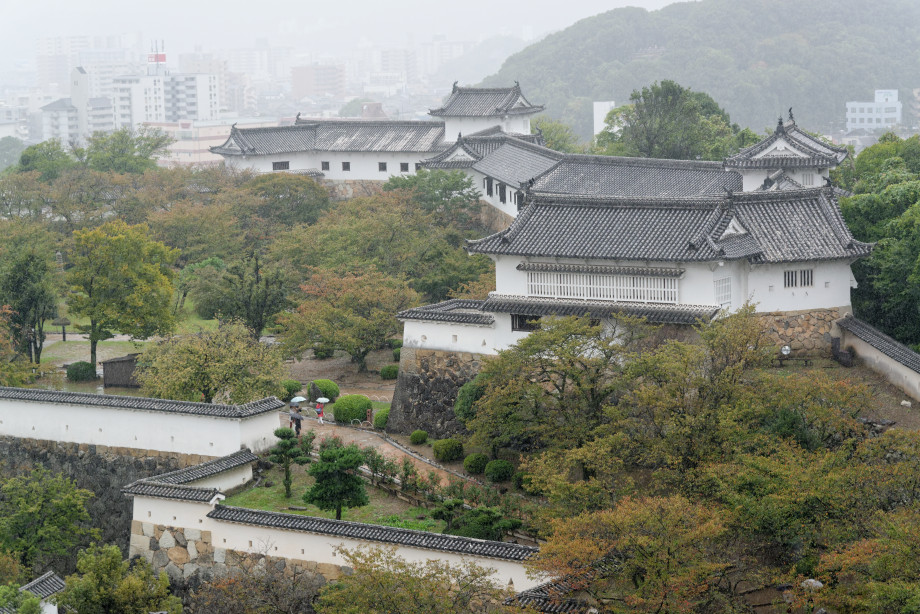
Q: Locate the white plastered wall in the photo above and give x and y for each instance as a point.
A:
(298, 544)
(832, 283)
(448, 336)
(364, 166)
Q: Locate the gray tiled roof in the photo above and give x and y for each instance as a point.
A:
(45, 585)
(517, 162)
(474, 147)
(601, 269)
(345, 135)
(460, 311)
(790, 226)
(375, 533)
(882, 342)
(175, 407)
(614, 176)
(655, 313)
(485, 102)
(779, 180)
(811, 151)
(208, 468)
(151, 488)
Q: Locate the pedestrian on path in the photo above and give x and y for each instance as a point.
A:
(319, 412)
(296, 418)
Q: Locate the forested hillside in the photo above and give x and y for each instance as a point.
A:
(755, 57)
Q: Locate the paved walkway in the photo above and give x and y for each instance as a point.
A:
(364, 438)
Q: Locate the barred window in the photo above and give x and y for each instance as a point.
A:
(524, 323)
(346, 166)
(637, 288)
(801, 278)
(403, 167)
(281, 166)
(324, 166)
(723, 292)
(382, 167)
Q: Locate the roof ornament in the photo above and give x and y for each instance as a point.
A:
(791, 118)
(297, 118)
(455, 88)
(828, 183)
(780, 128)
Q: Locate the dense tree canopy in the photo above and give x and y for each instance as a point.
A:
(337, 486)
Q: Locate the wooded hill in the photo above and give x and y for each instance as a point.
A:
(757, 58)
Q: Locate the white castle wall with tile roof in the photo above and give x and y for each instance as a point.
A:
(453, 337)
(363, 165)
(832, 281)
(509, 207)
(293, 544)
(518, 124)
(133, 428)
(753, 178)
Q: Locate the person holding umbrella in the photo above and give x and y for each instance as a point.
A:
(296, 416)
(320, 402)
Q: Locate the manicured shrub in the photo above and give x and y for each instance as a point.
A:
(291, 388)
(329, 389)
(389, 372)
(381, 417)
(323, 352)
(396, 354)
(499, 470)
(475, 464)
(81, 371)
(447, 450)
(351, 407)
(418, 437)
(394, 343)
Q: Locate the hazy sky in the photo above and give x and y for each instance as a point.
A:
(307, 24)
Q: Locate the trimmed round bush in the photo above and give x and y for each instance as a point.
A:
(389, 372)
(329, 388)
(475, 464)
(447, 450)
(323, 352)
(351, 407)
(380, 418)
(499, 471)
(291, 388)
(81, 371)
(396, 354)
(418, 437)
(395, 343)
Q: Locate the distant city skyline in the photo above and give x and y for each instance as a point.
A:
(335, 28)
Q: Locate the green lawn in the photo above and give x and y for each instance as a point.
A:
(60, 353)
(187, 321)
(384, 509)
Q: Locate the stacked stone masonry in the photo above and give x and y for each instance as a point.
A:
(806, 332)
(427, 389)
(189, 557)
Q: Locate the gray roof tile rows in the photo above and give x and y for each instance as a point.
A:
(654, 313)
(174, 485)
(459, 311)
(375, 533)
(485, 102)
(790, 226)
(42, 587)
(474, 147)
(613, 176)
(517, 162)
(812, 151)
(882, 342)
(601, 269)
(341, 135)
(175, 407)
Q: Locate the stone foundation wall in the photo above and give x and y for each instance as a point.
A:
(189, 557)
(100, 469)
(806, 332)
(427, 389)
(345, 189)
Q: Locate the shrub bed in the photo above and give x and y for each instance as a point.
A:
(291, 388)
(81, 371)
(351, 407)
(418, 437)
(475, 464)
(329, 388)
(499, 471)
(447, 450)
(380, 418)
(389, 372)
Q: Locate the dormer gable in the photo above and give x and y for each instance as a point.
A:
(733, 229)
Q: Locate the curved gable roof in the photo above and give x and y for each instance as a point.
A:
(803, 150)
(485, 102)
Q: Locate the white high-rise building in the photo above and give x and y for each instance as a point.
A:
(882, 114)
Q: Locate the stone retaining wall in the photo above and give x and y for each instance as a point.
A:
(345, 189)
(100, 469)
(189, 557)
(427, 389)
(806, 332)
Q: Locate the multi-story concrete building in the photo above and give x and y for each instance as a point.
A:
(883, 113)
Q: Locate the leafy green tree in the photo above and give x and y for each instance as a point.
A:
(28, 284)
(249, 292)
(16, 601)
(121, 281)
(483, 523)
(383, 582)
(200, 230)
(291, 449)
(22, 196)
(11, 149)
(48, 158)
(336, 484)
(556, 134)
(286, 200)
(43, 516)
(669, 121)
(125, 150)
(225, 365)
(449, 195)
(106, 584)
(14, 371)
(354, 313)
